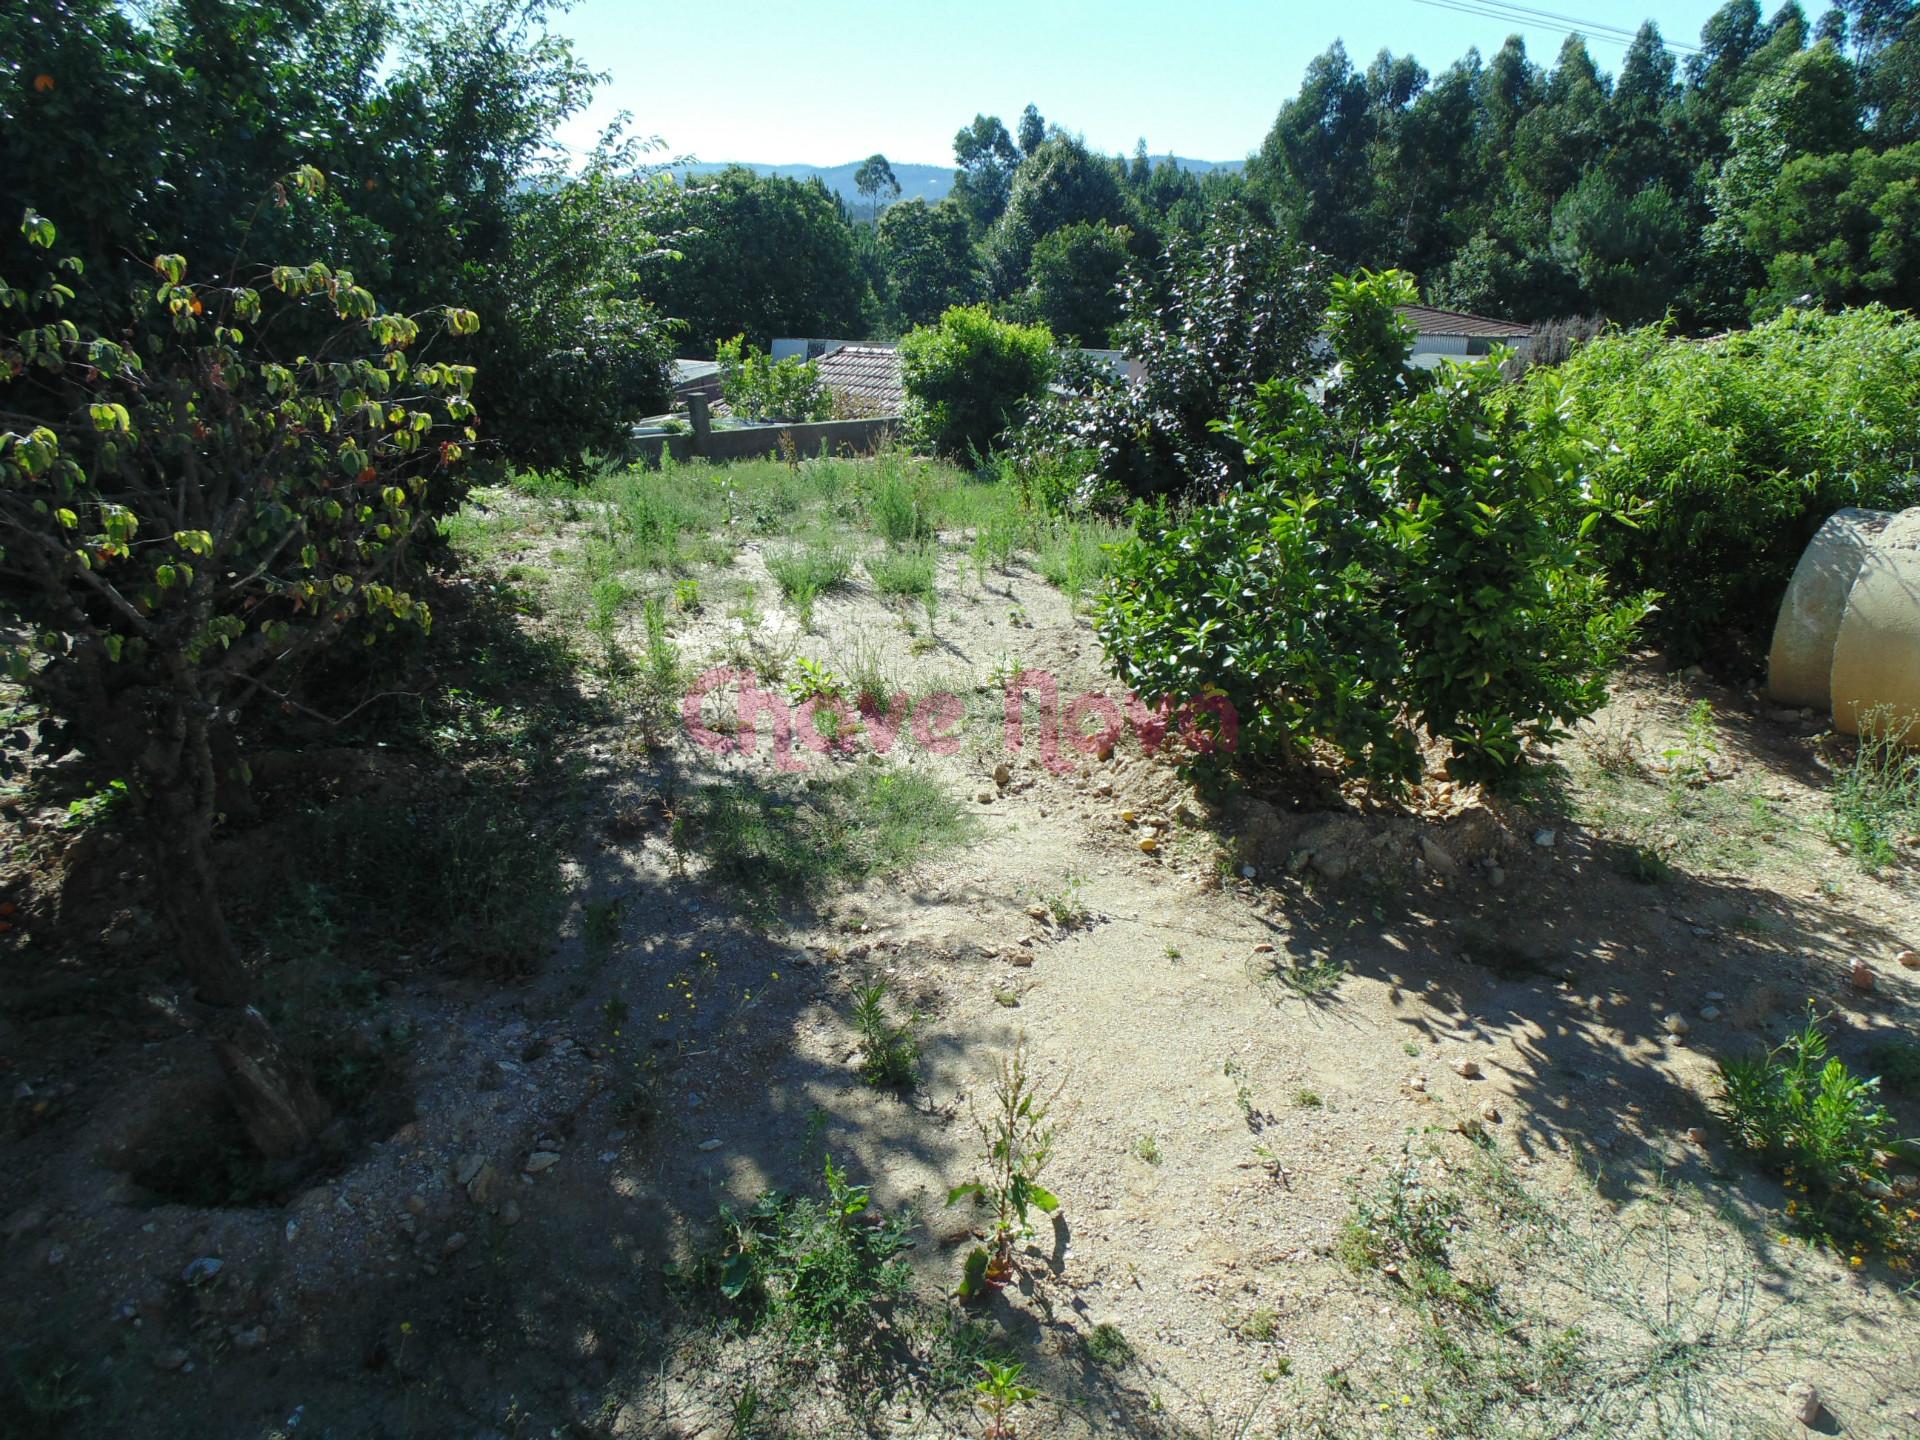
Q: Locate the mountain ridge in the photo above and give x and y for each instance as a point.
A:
(931, 183)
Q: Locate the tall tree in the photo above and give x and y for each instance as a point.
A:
(1033, 130)
(987, 159)
(927, 252)
(875, 178)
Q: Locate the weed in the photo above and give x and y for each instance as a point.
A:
(1148, 1149)
(1064, 906)
(1876, 799)
(814, 680)
(1823, 1130)
(686, 596)
(805, 573)
(903, 573)
(1260, 1324)
(1401, 1229)
(1000, 1393)
(41, 1393)
(1172, 952)
(814, 1269)
(1613, 748)
(889, 1052)
(1018, 1134)
(782, 843)
(1107, 1346)
(1307, 1099)
(1692, 760)
(1075, 555)
(600, 921)
(1645, 865)
(899, 507)
(1312, 979)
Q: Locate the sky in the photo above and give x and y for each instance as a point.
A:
(826, 81)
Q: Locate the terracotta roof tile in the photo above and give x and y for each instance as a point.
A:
(1429, 321)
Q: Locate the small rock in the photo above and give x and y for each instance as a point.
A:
(171, 1360)
(1910, 959)
(1697, 1136)
(456, 1242)
(1490, 1112)
(1418, 1082)
(1784, 717)
(1496, 877)
(1436, 855)
(1247, 872)
(1709, 1012)
(1545, 838)
(1263, 948)
(510, 1213)
(468, 1168)
(250, 1339)
(547, 1142)
(985, 797)
(1148, 844)
(541, 1161)
(293, 1231)
(1861, 974)
(713, 1144)
(1002, 774)
(198, 1272)
(417, 1203)
(1677, 1024)
(1467, 1068)
(1021, 958)
(1714, 997)
(1807, 1407)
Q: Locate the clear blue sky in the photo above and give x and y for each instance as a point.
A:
(835, 80)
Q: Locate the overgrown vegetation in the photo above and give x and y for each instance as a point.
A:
(889, 1054)
(1395, 563)
(1823, 1130)
(1875, 799)
(1723, 456)
(1017, 1130)
(969, 377)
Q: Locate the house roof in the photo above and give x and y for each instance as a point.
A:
(867, 374)
(1429, 321)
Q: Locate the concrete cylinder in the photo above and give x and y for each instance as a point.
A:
(1875, 679)
(1800, 665)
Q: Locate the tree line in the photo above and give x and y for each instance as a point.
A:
(1777, 165)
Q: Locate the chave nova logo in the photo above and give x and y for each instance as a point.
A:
(724, 709)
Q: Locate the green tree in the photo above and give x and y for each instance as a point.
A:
(1033, 130)
(1840, 229)
(875, 178)
(761, 256)
(987, 159)
(928, 259)
(189, 517)
(1061, 183)
(1076, 287)
(970, 377)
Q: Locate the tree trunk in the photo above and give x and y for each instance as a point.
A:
(271, 1089)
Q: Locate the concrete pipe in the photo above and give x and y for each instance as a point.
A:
(1876, 656)
(1800, 666)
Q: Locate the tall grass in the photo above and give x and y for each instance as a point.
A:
(1876, 800)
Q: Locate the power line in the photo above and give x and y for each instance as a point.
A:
(1525, 15)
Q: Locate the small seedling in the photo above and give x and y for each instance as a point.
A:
(1064, 906)
(1018, 1133)
(1307, 1099)
(1107, 1346)
(889, 1052)
(1001, 1393)
(1148, 1149)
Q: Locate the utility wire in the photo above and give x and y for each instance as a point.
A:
(1528, 17)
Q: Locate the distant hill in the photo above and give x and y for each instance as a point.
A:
(930, 183)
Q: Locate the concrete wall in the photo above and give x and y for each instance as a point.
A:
(837, 437)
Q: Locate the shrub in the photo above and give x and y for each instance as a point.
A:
(1223, 316)
(969, 377)
(759, 388)
(889, 1054)
(1394, 561)
(1822, 1129)
(812, 1269)
(1729, 453)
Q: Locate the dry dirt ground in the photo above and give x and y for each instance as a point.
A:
(1252, 1021)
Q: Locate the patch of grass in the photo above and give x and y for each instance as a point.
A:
(1314, 978)
(1403, 1227)
(1107, 1346)
(1064, 906)
(781, 842)
(816, 1271)
(1645, 865)
(1260, 1324)
(1148, 1149)
(1307, 1099)
(889, 1053)
(1876, 800)
(899, 503)
(806, 572)
(903, 573)
(1075, 555)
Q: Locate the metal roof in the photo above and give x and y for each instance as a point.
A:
(1429, 321)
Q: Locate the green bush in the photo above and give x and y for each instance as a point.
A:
(759, 388)
(1822, 1129)
(970, 377)
(1729, 453)
(1394, 561)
